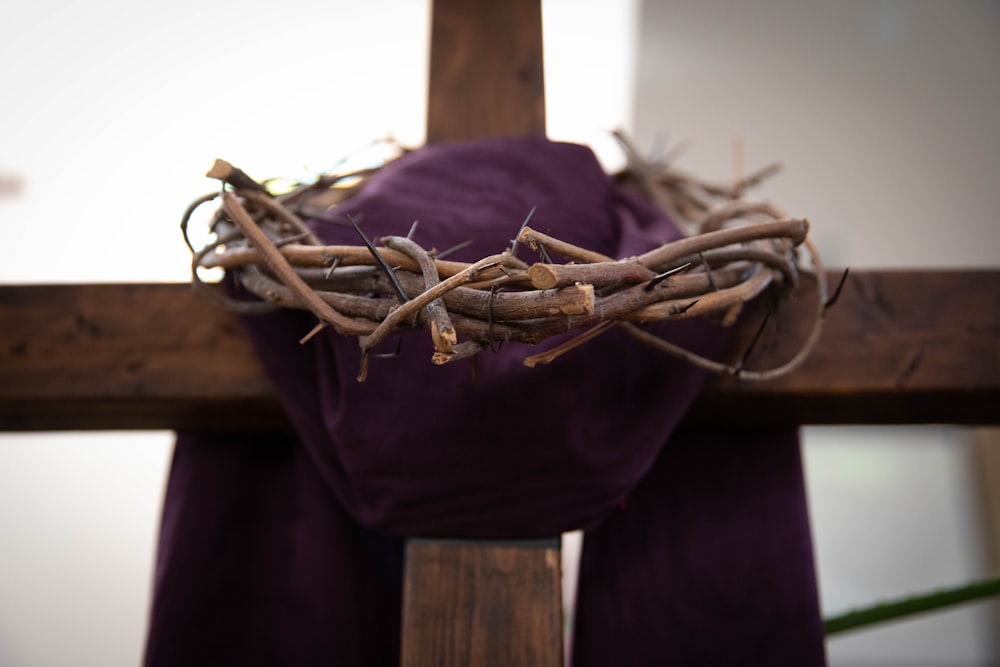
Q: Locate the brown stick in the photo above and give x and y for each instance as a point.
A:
(514, 305)
(603, 274)
(369, 312)
(324, 256)
(740, 372)
(712, 302)
(715, 218)
(747, 254)
(234, 176)
(573, 343)
(277, 263)
(410, 308)
(661, 258)
(568, 250)
(442, 330)
(464, 350)
(358, 308)
(281, 211)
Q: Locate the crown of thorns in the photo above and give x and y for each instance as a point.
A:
(735, 250)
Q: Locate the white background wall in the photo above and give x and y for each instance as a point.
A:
(884, 114)
(112, 110)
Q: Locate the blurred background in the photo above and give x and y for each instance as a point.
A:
(883, 113)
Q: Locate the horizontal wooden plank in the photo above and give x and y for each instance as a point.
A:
(126, 357)
(899, 347)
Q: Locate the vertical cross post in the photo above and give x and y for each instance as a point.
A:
(482, 602)
(486, 76)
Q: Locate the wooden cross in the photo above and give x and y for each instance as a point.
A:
(899, 347)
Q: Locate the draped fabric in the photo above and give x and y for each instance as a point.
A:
(258, 563)
(709, 562)
(286, 549)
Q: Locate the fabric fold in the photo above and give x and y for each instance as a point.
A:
(708, 562)
(258, 564)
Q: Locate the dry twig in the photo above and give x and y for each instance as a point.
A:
(741, 248)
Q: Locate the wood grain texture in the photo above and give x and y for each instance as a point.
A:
(127, 357)
(486, 77)
(482, 603)
(899, 347)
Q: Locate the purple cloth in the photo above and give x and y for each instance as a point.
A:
(423, 450)
(258, 564)
(510, 451)
(709, 562)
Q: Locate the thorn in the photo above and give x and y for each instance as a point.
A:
(513, 246)
(413, 228)
(453, 249)
(756, 337)
(312, 332)
(836, 293)
(381, 262)
(333, 266)
(686, 307)
(290, 239)
(660, 277)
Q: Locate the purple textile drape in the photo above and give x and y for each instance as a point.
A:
(709, 563)
(286, 550)
(258, 563)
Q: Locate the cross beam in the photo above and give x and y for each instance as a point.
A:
(898, 347)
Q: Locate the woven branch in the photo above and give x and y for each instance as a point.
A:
(740, 249)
